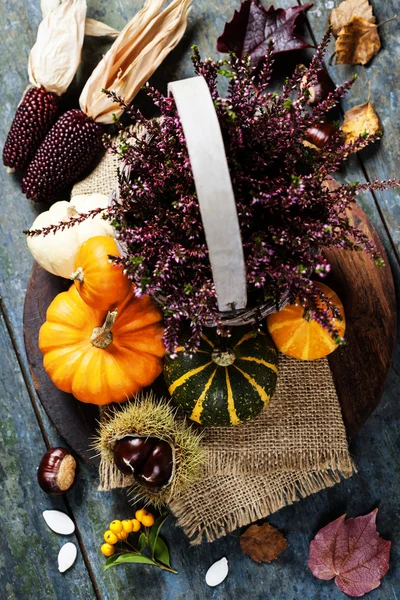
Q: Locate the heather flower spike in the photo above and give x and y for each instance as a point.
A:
(53, 62)
(75, 141)
(287, 213)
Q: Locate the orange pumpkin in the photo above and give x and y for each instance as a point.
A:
(100, 282)
(296, 334)
(102, 357)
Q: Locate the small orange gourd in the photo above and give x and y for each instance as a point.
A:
(296, 334)
(99, 356)
(100, 282)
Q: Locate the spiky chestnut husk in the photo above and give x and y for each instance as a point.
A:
(68, 151)
(151, 417)
(33, 119)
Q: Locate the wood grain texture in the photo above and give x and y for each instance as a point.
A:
(29, 549)
(382, 160)
(376, 449)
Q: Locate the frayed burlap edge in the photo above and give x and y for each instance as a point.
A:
(307, 484)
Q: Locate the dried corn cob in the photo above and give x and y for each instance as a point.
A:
(53, 61)
(35, 115)
(74, 142)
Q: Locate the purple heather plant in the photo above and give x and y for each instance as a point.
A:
(287, 214)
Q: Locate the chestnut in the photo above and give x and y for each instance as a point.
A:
(130, 453)
(321, 87)
(319, 134)
(158, 468)
(149, 460)
(56, 472)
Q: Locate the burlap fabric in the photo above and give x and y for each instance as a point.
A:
(296, 447)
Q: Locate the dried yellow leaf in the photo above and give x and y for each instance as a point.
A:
(357, 43)
(360, 120)
(341, 15)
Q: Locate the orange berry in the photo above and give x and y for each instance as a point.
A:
(107, 549)
(135, 525)
(139, 514)
(116, 526)
(148, 520)
(110, 537)
(122, 535)
(127, 525)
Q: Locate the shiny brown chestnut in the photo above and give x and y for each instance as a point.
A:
(130, 453)
(149, 460)
(157, 470)
(321, 87)
(319, 134)
(56, 472)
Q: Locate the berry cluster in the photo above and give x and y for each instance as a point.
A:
(120, 530)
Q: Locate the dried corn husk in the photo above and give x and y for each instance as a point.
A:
(56, 55)
(98, 29)
(139, 49)
(92, 27)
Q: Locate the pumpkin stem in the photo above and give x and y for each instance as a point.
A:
(308, 314)
(102, 336)
(77, 275)
(223, 357)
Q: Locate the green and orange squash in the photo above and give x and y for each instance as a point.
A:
(227, 380)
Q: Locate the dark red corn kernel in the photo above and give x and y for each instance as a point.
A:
(34, 117)
(68, 151)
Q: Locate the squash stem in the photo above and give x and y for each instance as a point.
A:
(77, 275)
(102, 336)
(223, 357)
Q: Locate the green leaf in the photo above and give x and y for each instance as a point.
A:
(130, 557)
(142, 542)
(161, 552)
(155, 531)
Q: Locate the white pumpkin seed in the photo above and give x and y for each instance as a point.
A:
(217, 572)
(67, 556)
(59, 522)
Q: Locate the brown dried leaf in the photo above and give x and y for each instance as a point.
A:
(262, 543)
(360, 120)
(357, 43)
(341, 15)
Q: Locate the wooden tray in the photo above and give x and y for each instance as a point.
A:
(359, 369)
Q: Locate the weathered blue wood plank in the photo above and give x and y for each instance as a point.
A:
(381, 161)
(28, 558)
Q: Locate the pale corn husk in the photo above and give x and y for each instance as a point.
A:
(137, 52)
(56, 55)
(93, 28)
(46, 6)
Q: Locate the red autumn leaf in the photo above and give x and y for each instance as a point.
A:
(352, 552)
(252, 28)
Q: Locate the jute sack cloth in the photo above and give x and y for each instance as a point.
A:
(296, 447)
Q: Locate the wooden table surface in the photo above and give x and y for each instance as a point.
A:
(28, 549)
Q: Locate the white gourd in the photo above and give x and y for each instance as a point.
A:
(56, 252)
